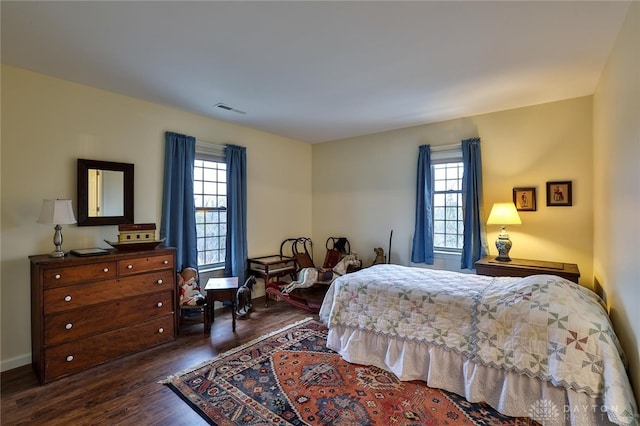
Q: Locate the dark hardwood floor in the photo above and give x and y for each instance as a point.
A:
(126, 391)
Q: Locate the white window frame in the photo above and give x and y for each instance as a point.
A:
(448, 155)
(211, 153)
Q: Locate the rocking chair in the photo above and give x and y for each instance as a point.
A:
(301, 249)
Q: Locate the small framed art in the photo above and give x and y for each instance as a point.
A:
(524, 199)
(559, 194)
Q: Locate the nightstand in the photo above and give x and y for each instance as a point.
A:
(525, 267)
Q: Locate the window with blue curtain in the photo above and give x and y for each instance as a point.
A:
(221, 208)
(218, 226)
(449, 203)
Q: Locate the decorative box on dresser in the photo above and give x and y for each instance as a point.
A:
(89, 310)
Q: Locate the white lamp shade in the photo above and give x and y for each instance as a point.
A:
(57, 212)
(504, 214)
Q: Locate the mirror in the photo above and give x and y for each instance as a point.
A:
(105, 193)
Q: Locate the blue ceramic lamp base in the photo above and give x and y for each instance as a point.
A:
(503, 244)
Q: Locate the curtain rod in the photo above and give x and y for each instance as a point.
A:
(451, 147)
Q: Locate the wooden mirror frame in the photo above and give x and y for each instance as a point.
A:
(83, 192)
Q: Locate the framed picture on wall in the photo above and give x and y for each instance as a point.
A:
(559, 194)
(524, 199)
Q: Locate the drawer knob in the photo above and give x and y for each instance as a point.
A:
(68, 326)
(67, 298)
(160, 281)
(129, 266)
(166, 262)
(106, 269)
(161, 330)
(159, 304)
(57, 276)
(69, 358)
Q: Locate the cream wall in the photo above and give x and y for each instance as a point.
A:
(617, 188)
(48, 123)
(363, 187)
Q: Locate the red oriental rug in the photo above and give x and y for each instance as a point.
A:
(289, 377)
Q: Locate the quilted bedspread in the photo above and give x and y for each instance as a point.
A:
(542, 326)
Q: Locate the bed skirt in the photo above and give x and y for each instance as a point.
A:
(510, 393)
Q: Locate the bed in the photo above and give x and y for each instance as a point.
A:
(540, 347)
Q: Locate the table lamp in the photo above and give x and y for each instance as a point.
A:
(503, 214)
(57, 212)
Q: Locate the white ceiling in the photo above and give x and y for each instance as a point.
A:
(325, 70)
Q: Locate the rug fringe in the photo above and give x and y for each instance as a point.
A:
(174, 376)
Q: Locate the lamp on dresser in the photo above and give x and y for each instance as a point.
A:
(57, 212)
(503, 214)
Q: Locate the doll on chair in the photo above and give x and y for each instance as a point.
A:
(190, 294)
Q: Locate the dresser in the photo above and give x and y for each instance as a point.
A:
(86, 311)
(525, 267)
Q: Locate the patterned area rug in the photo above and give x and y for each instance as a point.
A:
(289, 377)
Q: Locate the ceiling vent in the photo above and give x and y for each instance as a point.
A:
(228, 108)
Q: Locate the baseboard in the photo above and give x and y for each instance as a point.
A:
(19, 361)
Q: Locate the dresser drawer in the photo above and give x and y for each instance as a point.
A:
(64, 298)
(145, 264)
(81, 354)
(149, 282)
(56, 277)
(79, 323)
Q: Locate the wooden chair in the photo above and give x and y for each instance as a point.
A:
(199, 311)
(301, 249)
(337, 248)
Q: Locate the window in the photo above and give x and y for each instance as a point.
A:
(210, 195)
(448, 226)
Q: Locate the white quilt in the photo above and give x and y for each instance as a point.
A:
(542, 326)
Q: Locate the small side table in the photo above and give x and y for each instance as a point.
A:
(525, 267)
(268, 267)
(221, 290)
